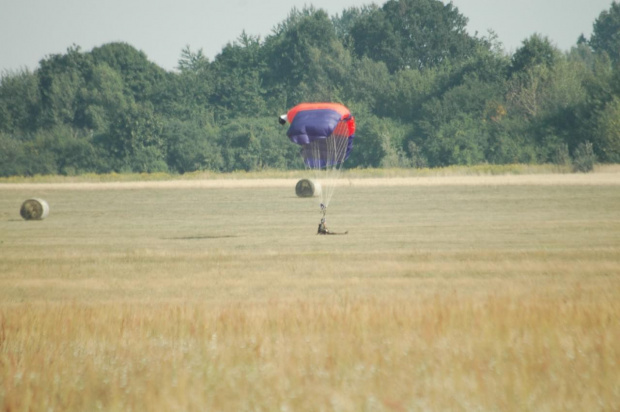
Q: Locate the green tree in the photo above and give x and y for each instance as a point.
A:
(368, 83)
(70, 151)
(509, 142)
(238, 69)
(547, 95)
(256, 143)
(134, 140)
(531, 76)
(413, 34)
(373, 35)
(191, 89)
(606, 33)
(60, 79)
(277, 151)
(19, 100)
(405, 93)
(191, 147)
(12, 156)
(306, 61)
(142, 79)
(584, 157)
(453, 127)
(607, 132)
(192, 62)
(379, 142)
(344, 22)
(535, 51)
(460, 140)
(101, 99)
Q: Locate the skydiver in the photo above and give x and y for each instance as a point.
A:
(323, 230)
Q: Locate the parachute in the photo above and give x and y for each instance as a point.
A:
(325, 132)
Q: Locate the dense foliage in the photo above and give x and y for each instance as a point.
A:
(424, 93)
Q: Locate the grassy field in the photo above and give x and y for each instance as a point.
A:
(483, 294)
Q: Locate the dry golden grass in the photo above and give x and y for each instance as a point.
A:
(444, 296)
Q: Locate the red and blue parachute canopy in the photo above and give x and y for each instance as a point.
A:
(324, 130)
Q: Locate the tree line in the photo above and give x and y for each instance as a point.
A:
(424, 92)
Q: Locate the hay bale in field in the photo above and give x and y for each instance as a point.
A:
(34, 209)
(307, 188)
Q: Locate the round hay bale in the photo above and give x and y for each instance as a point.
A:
(34, 209)
(307, 188)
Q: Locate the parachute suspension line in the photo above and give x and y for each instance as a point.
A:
(331, 154)
(320, 173)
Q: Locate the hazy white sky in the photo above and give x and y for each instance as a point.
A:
(33, 29)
